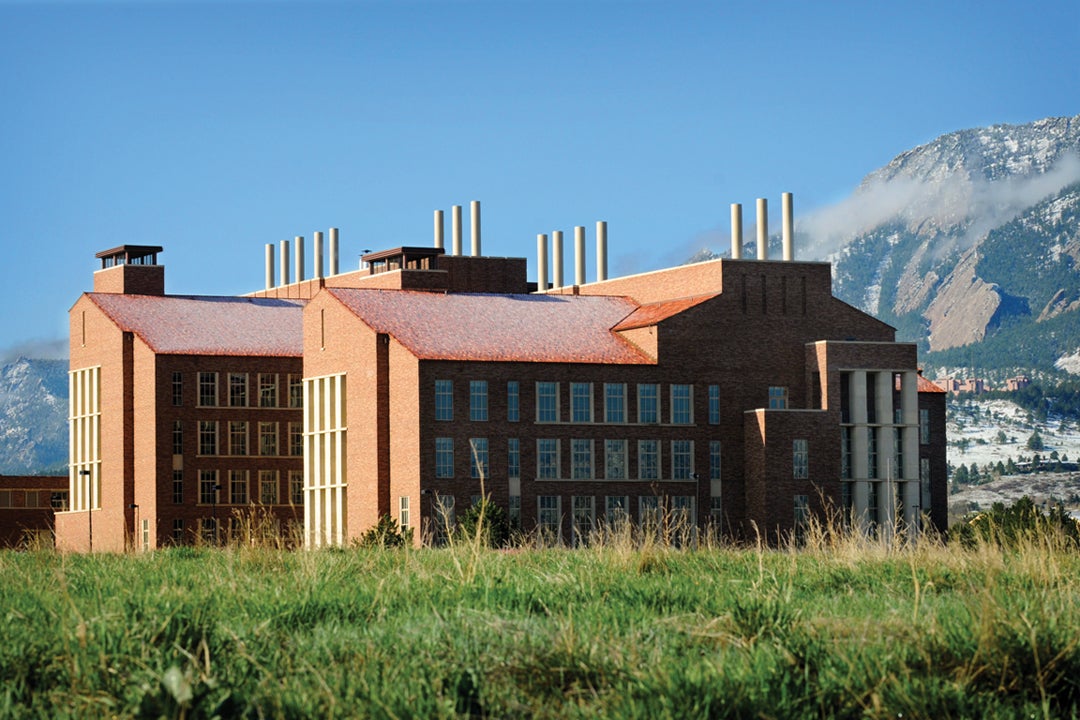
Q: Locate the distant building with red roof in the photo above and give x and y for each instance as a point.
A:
(734, 396)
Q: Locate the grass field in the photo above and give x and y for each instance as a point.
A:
(848, 630)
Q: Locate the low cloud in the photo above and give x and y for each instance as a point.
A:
(37, 350)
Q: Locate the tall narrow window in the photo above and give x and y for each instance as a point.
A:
(296, 439)
(615, 459)
(871, 449)
(581, 452)
(547, 402)
(513, 458)
(478, 463)
(778, 398)
(616, 509)
(296, 391)
(549, 514)
(208, 437)
(682, 406)
(514, 514)
(800, 459)
(238, 487)
(208, 486)
(547, 459)
(403, 513)
(924, 426)
(296, 487)
(444, 399)
(648, 403)
(682, 459)
(614, 402)
(177, 389)
(178, 487)
(238, 437)
(581, 402)
(845, 453)
(178, 437)
(268, 390)
(648, 459)
(238, 383)
(714, 404)
(268, 438)
(513, 401)
(478, 400)
(444, 457)
(207, 389)
(584, 518)
(268, 487)
(802, 517)
(714, 459)
(178, 531)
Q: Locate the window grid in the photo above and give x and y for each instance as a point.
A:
(178, 437)
(616, 509)
(581, 402)
(714, 460)
(648, 459)
(615, 459)
(682, 459)
(208, 437)
(548, 514)
(268, 487)
(614, 402)
(208, 487)
(238, 437)
(778, 397)
(207, 389)
(177, 389)
(238, 487)
(682, 404)
(648, 403)
(296, 439)
(296, 391)
(714, 404)
(478, 463)
(238, 389)
(296, 487)
(268, 438)
(547, 402)
(513, 457)
(403, 513)
(178, 487)
(478, 400)
(924, 426)
(513, 401)
(268, 390)
(547, 459)
(444, 457)
(581, 452)
(444, 399)
(800, 459)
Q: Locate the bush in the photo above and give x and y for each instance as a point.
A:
(1010, 526)
(386, 534)
(486, 520)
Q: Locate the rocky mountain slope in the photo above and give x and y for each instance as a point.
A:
(33, 417)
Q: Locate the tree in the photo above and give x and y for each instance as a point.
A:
(1001, 437)
(385, 534)
(960, 477)
(1021, 521)
(1035, 442)
(484, 521)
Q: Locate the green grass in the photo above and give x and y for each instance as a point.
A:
(847, 630)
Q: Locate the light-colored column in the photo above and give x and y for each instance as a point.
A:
(860, 452)
(736, 231)
(601, 251)
(284, 262)
(788, 226)
(269, 265)
(317, 240)
(762, 229)
(439, 229)
(474, 208)
(300, 273)
(455, 230)
(333, 251)
(556, 259)
(579, 258)
(541, 263)
(886, 450)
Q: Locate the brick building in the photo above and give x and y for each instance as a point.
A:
(27, 505)
(737, 395)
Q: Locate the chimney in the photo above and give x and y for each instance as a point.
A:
(284, 262)
(788, 226)
(762, 229)
(736, 231)
(474, 220)
(269, 265)
(299, 242)
(455, 228)
(556, 259)
(579, 256)
(439, 229)
(541, 263)
(333, 251)
(601, 251)
(318, 254)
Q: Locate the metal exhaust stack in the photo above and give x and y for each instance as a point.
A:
(474, 221)
(579, 256)
(786, 205)
(455, 229)
(439, 229)
(601, 251)
(556, 259)
(333, 251)
(300, 258)
(541, 263)
(736, 231)
(284, 262)
(269, 265)
(318, 254)
(762, 229)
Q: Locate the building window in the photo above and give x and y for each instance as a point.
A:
(615, 459)
(714, 460)
(714, 404)
(871, 449)
(614, 402)
(268, 432)
(478, 465)
(445, 517)
(778, 398)
(296, 487)
(208, 437)
(478, 400)
(444, 399)
(177, 389)
(845, 453)
(547, 459)
(716, 512)
(682, 511)
(59, 500)
(581, 402)
(267, 390)
(515, 511)
(898, 456)
(682, 404)
(444, 457)
(649, 512)
(403, 513)
(238, 384)
(924, 484)
(924, 426)
(513, 401)
(178, 437)
(581, 459)
(547, 402)
(208, 487)
(802, 517)
(549, 514)
(208, 530)
(238, 487)
(648, 459)
(296, 391)
(648, 403)
(296, 439)
(207, 389)
(616, 510)
(583, 509)
(178, 531)
(682, 459)
(178, 487)
(268, 487)
(800, 459)
(238, 437)
(513, 458)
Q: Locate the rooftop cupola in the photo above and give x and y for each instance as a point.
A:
(130, 270)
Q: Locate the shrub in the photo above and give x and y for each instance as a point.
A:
(1020, 522)
(486, 522)
(385, 534)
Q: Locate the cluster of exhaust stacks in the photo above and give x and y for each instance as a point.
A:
(556, 280)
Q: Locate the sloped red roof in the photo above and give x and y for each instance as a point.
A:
(491, 327)
(209, 325)
(655, 312)
(929, 386)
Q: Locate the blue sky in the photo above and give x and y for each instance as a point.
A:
(214, 128)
